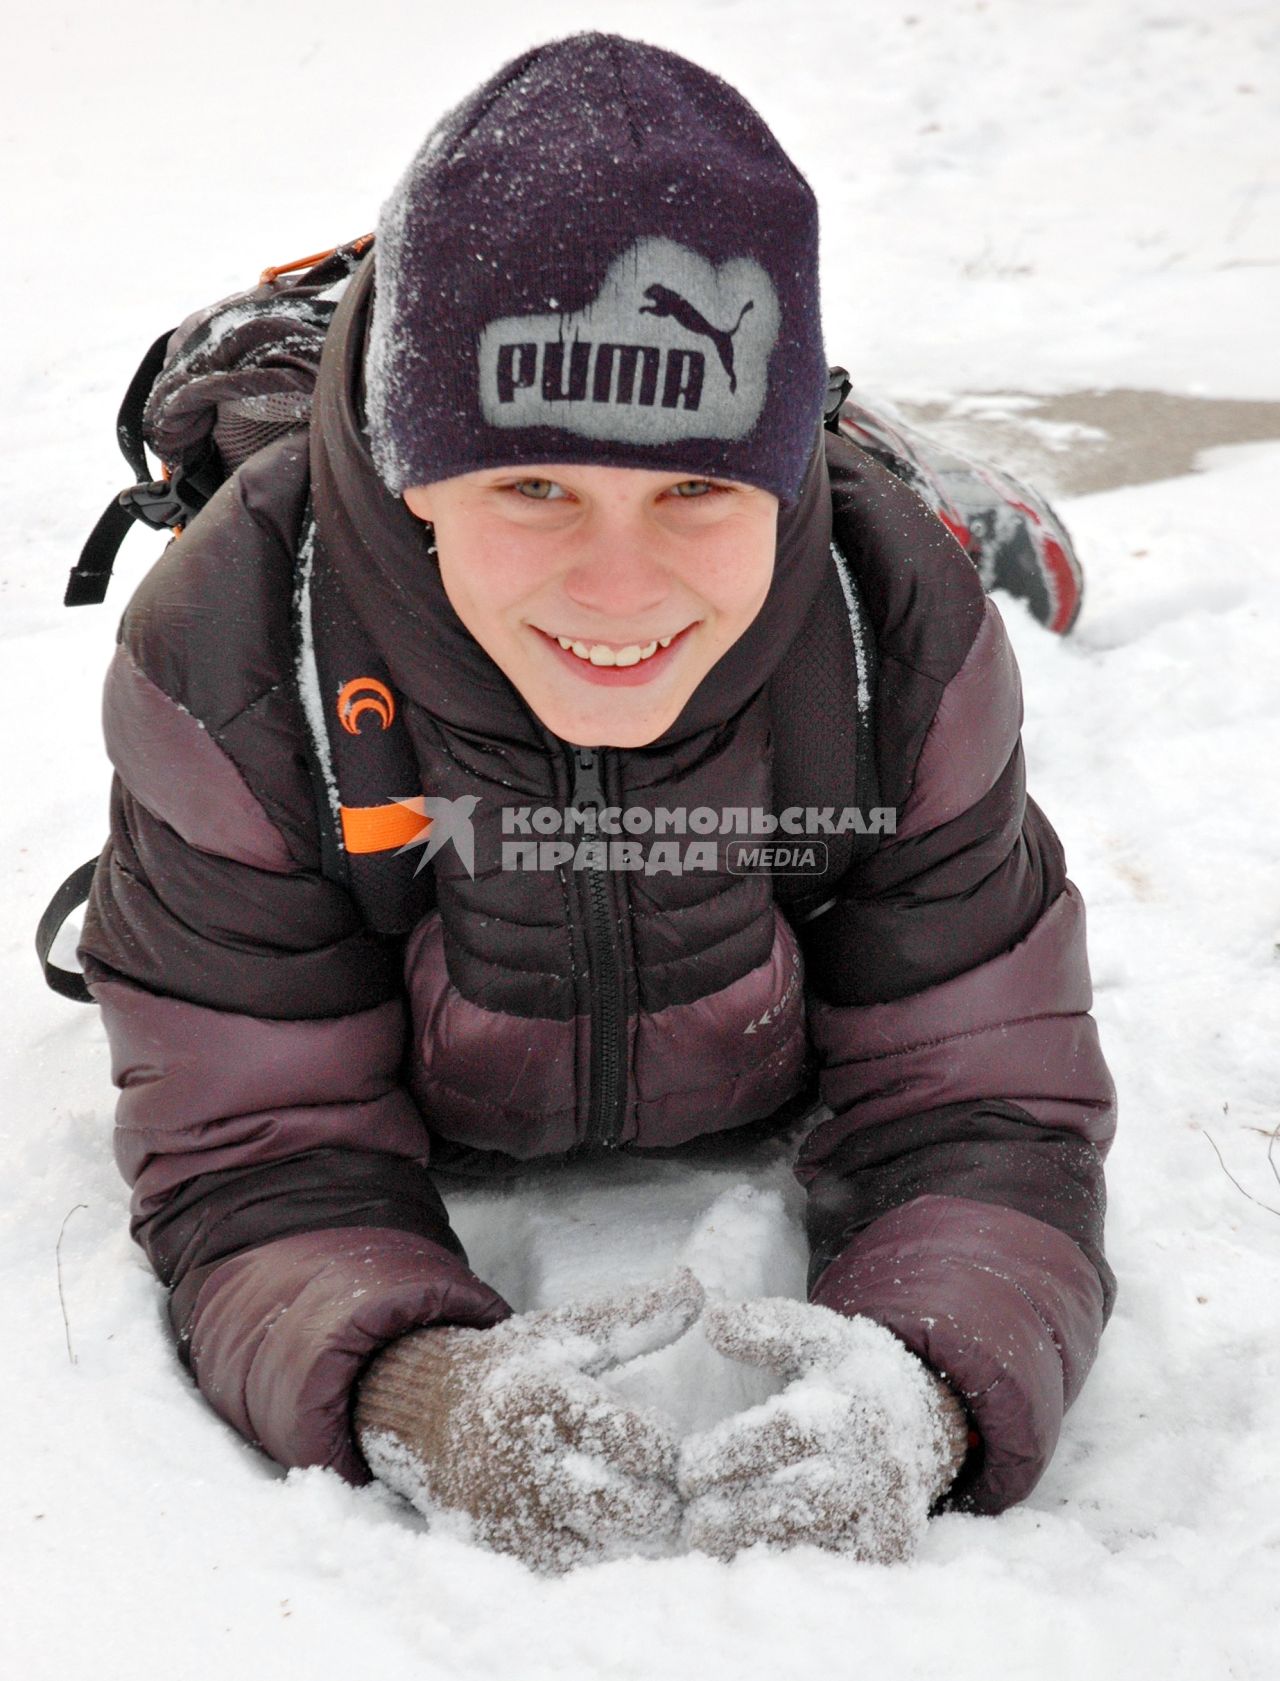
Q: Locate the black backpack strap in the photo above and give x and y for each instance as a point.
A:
(89, 577)
(361, 754)
(87, 584)
(823, 714)
(73, 893)
(129, 434)
(159, 503)
(163, 504)
(311, 696)
(823, 705)
(865, 666)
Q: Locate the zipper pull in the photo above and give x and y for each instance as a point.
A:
(587, 786)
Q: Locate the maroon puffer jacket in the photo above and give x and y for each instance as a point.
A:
(286, 1074)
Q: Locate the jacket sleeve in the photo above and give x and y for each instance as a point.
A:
(957, 1193)
(278, 1166)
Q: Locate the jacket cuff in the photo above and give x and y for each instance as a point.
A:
(1004, 1307)
(279, 1334)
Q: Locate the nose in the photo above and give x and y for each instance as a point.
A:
(617, 575)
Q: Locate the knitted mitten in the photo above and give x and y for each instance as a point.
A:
(503, 1436)
(850, 1456)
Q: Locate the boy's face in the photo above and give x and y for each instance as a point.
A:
(615, 559)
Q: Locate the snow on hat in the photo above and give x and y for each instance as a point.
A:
(602, 255)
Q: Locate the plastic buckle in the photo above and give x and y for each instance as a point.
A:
(839, 385)
(163, 503)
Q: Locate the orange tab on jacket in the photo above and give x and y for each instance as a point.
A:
(381, 828)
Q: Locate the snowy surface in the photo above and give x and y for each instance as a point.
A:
(1017, 197)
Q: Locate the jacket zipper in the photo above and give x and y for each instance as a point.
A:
(607, 992)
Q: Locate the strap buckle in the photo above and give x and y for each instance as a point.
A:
(839, 385)
(163, 503)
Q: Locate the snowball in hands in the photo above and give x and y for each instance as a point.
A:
(503, 1436)
(849, 1456)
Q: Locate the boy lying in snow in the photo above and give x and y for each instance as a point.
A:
(575, 530)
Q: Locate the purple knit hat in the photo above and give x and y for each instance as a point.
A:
(602, 255)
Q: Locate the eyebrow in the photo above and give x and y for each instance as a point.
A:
(517, 472)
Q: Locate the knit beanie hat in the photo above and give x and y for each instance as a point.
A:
(602, 255)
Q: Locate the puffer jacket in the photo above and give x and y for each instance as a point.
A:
(288, 1074)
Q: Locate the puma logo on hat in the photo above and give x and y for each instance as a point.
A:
(633, 366)
(667, 302)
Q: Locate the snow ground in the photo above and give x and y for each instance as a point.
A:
(1017, 197)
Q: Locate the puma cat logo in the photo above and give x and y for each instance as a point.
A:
(667, 302)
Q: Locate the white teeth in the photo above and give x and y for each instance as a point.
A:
(598, 654)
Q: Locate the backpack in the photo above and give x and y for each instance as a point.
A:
(209, 393)
(238, 374)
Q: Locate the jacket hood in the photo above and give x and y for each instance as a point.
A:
(380, 552)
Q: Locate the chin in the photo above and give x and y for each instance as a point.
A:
(592, 733)
(639, 737)
(587, 729)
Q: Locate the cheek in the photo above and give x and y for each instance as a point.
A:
(486, 580)
(734, 580)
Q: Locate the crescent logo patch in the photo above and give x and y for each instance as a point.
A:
(364, 694)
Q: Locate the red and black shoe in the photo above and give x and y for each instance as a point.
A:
(1009, 531)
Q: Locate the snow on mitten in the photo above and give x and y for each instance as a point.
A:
(502, 1436)
(850, 1456)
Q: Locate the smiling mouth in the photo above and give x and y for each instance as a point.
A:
(614, 654)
